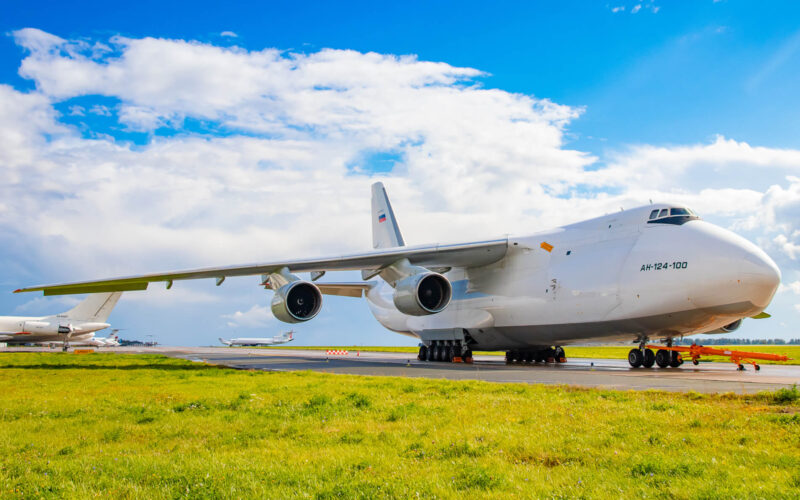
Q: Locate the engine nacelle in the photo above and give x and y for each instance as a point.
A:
(296, 302)
(422, 294)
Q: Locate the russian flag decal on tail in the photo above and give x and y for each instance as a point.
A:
(381, 217)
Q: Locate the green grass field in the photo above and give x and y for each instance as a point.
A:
(596, 352)
(145, 426)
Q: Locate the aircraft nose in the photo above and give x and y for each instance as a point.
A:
(760, 275)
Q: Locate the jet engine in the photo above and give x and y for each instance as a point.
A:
(296, 302)
(422, 294)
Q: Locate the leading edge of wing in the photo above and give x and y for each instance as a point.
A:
(473, 254)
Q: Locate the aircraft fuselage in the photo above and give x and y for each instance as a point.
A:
(616, 277)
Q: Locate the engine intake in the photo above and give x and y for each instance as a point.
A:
(296, 302)
(422, 294)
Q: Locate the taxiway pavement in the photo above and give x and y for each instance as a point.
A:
(612, 374)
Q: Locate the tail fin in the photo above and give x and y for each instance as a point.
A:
(385, 233)
(226, 342)
(95, 307)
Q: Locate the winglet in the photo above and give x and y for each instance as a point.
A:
(385, 232)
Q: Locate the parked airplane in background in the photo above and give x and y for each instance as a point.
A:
(244, 341)
(74, 326)
(653, 272)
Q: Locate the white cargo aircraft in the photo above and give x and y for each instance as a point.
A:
(76, 326)
(654, 272)
(245, 341)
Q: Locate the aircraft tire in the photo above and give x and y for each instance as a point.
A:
(662, 358)
(529, 357)
(635, 358)
(559, 354)
(675, 360)
(429, 354)
(423, 353)
(451, 353)
(649, 358)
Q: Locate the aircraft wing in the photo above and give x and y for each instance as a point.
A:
(432, 256)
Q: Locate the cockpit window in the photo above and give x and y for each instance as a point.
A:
(676, 216)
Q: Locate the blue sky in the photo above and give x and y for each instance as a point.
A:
(137, 154)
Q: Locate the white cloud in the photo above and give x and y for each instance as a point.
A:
(282, 181)
(229, 34)
(636, 8)
(793, 287)
(99, 109)
(619, 8)
(256, 316)
(789, 248)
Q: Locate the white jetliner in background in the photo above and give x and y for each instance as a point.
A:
(654, 272)
(76, 326)
(254, 342)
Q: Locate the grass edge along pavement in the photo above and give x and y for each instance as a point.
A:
(147, 426)
(594, 352)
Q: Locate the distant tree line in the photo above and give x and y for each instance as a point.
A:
(735, 341)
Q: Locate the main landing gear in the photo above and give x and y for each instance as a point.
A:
(548, 355)
(646, 358)
(445, 350)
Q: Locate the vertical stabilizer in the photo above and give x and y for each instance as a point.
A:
(385, 233)
(95, 307)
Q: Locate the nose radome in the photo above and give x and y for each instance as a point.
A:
(760, 275)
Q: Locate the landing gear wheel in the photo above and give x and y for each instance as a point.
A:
(550, 355)
(529, 357)
(635, 358)
(431, 353)
(508, 357)
(649, 358)
(741, 368)
(423, 353)
(757, 367)
(468, 356)
(675, 360)
(451, 353)
(695, 362)
(560, 355)
(435, 353)
(662, 358)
